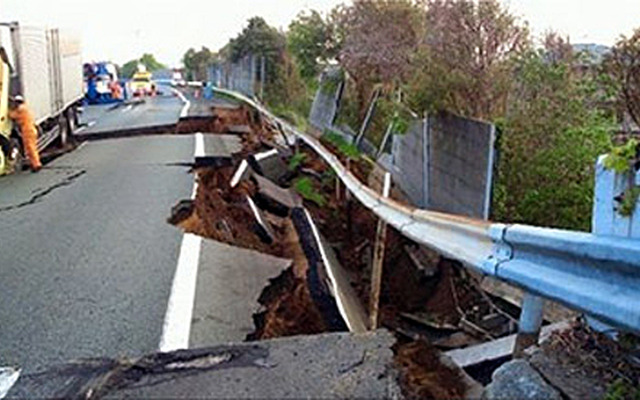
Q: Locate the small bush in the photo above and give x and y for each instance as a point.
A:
(304, 186)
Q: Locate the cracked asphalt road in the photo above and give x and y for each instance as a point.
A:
(86, 257)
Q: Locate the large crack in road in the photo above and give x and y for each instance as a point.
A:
(41, 194)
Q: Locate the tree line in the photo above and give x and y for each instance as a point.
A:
(556, 108)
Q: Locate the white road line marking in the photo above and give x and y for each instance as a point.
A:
(91, 123)
(177, 321)
(199, 152)
(185, 109)
(128, 108)
(239, 172)
(263, 155)
(325, 260)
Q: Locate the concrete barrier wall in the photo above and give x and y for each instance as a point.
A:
(442, 163)
(408, 162)
(446, 165)
(325, 104)
(460, 165)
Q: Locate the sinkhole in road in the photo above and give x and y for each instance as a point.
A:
(249, 199)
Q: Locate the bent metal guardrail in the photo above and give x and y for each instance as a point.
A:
(597, 275)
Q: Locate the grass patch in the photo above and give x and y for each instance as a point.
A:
(347, 149)
(296, 161)
(304, 186)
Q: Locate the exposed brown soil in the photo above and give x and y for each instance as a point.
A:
(450, 297)
(596, 358)
(222, 213)
(424, 376)
(288, 310)
(222, 121)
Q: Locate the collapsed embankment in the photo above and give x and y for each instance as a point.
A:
(258, 199)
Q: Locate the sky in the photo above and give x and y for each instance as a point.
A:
(121, 30)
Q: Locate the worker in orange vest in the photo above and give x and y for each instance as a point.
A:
(20, 113)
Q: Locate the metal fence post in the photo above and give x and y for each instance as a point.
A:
(263, 71)
(530, 323)
(385, 139)
(367, 118)
(425, 161)
(378, 261)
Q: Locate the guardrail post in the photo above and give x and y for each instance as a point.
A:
(530, 323)
(378, 261)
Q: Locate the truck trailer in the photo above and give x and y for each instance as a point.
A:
(45, 67)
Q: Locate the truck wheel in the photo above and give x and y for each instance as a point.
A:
(4, 163)
(63, 137)
(11, 158)
(5, 153)
(72, 120)
(15, 157)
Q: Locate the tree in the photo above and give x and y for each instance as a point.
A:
(623, 66)
(465, 58)
(310, 40)
(550, 139)
(196, 63)
(148, 60)
(379, 39)
(557, 48)
(258, 39)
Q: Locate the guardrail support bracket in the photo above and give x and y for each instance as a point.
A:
(530, 323)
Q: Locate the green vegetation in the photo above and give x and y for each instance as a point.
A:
(550, 140)
(629, 201)
(621, 158)
(148, 60)
(291, 116)
(311, 42)
(331, 82)
(196, 63)
(296, 160)
(349, 150)
(622, 390)
(555, 109)
(304, 186)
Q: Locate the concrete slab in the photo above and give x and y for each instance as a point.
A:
(269, 164)
(230, 280)
(216, 145)
(336, 365)
(496, 349)
(270, 192)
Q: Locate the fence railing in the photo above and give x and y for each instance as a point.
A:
(246, 75)
(598, 275)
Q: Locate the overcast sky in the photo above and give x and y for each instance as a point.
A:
(120, 30)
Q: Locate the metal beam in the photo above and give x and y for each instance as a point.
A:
(598, 275)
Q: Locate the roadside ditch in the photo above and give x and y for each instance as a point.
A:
(272, 198)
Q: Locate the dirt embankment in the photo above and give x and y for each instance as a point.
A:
(222, 213)
(421, 294)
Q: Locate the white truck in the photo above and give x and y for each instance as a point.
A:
(44, 66)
